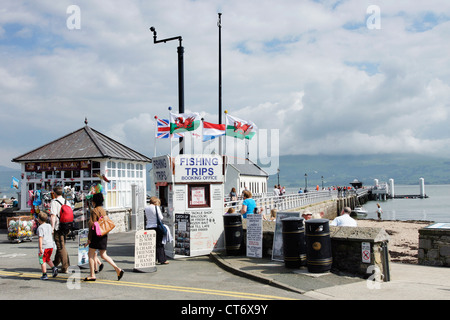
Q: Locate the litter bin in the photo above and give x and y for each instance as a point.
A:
(234, 235)
(318, 245)
(294, 248)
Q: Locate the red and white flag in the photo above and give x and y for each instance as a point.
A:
(212, 130)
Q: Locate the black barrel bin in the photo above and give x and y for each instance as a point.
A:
(234, 234)
(294, 247)
(318, 245)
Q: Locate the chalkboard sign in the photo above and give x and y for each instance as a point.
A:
(277, 248)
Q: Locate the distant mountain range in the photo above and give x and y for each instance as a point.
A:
(343, 169)
(336, 170)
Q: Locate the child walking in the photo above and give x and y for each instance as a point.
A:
(44, 231)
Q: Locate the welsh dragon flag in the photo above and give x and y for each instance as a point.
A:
(240, 129)
(184, 122)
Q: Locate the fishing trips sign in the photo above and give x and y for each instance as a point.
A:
(199, 168)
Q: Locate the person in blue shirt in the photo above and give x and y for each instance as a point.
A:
(249, 205)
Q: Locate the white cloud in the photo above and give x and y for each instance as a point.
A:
(311, 69)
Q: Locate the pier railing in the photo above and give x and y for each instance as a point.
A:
(267, 202)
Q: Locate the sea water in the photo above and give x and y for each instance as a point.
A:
(434, 208)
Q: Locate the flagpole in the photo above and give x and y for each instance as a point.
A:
(225, 136)
(170, 134)
(219, 24)
(156, 132)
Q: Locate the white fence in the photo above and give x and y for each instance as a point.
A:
(288, 201)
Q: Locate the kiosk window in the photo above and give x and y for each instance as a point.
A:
(199, 196)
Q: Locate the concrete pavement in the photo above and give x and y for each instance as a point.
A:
(408, 282)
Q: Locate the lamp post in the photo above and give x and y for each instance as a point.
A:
(180, 51)
(278, 173)
(306, 182)
(322, 182)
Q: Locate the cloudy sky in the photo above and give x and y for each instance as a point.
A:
(353, 77)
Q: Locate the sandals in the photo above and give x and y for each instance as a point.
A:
(119, 276)
(100, 268)
(89, 279)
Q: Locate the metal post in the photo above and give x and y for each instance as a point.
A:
(219, 24)
(180, 51)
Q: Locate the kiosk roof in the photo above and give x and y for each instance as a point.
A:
(85, 143)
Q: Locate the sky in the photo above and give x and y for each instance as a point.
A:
(322, 77)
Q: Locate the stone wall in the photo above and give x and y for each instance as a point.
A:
(434, 246)
(121, 218)
(347, 244)
(329, 209)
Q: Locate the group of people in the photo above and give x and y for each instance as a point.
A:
(52, 235)
(249, 207)
(8, 204)
(279, 190)
(343, 220)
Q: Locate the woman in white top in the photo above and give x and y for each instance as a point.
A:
(151, 224)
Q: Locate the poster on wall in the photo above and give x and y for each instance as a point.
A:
(198, 196)
(182, 234)
(203, 231)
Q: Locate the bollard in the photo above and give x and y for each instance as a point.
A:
(294, 248)
(234, 234)
(318, 245)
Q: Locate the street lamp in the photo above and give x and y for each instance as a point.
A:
(306, 182)
(180, 51)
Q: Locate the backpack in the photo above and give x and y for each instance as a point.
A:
(65, 218)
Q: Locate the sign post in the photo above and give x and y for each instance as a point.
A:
(365, 252)
(83, 248)
(254, 235)
(145, 251)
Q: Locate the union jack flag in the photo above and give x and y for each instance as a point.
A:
(163, 129)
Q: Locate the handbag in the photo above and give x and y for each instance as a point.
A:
(159, 225)
(106, 225)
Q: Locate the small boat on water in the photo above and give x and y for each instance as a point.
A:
(359, 211)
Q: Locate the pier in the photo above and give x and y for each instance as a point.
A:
(384, 191)
(330, 202)
(334, 200)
